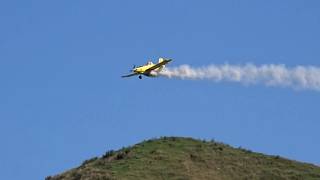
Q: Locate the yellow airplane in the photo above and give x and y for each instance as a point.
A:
(149, 69)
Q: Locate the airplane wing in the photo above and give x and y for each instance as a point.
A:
(133, 74)
(159, 65)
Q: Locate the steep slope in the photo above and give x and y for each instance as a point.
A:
(186, 158)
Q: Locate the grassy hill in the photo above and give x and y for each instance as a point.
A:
(186, 158)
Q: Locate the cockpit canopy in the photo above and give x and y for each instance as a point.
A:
(149, 63)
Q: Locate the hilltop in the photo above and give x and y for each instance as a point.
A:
(187, 158)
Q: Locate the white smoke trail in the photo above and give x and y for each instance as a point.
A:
(299, 77)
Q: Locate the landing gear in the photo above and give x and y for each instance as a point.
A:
(140, 77)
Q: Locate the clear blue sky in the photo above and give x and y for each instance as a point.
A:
(62, 100)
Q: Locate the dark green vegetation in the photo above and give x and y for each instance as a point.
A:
(186, 158)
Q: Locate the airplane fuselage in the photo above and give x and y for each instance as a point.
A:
(143, 70)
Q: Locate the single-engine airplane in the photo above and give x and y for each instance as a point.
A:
(149, 69)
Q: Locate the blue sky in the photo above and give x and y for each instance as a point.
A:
(62, 100)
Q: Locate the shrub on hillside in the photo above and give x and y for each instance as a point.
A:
(108, 154)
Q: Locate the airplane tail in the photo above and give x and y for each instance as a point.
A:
(160, 61)
(163, 59)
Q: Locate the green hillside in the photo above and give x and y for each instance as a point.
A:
(185, 158)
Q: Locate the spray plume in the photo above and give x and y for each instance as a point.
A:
(299, 77)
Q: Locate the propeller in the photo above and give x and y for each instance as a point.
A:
(134, 66)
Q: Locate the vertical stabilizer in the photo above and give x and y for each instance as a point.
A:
(160, 60)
